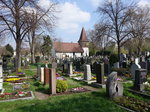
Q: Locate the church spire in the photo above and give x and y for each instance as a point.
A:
(83, 37)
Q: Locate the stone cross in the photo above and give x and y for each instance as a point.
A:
(113, 87)
(87, 72)
(52, 82)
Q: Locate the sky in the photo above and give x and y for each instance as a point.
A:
(75, 14)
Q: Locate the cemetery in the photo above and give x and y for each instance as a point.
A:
(107, 69)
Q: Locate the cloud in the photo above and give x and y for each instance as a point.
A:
(71, 16)
(96, 3)
(143, 3)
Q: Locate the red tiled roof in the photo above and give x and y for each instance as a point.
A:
(67, 47)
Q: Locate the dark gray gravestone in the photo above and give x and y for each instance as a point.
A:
(39, 72)
(113, 87)
(140, 78)
(106, 69)
(100, 73)
(148, 65)
(143, 65)
(124, 64)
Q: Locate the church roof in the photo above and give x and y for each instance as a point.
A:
(67, 47)
(83, 37)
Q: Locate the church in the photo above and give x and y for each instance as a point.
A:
(80, 49)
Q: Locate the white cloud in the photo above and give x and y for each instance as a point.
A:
(96, 3)
(71, 16)
(143, 3)
(44, 3)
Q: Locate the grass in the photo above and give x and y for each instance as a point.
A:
(82, 102)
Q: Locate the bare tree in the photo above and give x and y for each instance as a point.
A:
(140, 27)
(13, 19)
(38, 20)
(116, 15)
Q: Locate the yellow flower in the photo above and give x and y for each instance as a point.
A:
(12, 79)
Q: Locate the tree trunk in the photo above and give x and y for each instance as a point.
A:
(32, 55)
(18, 54)
(119, 50)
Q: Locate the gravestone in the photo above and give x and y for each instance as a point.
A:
(1, 85)
(78, 65)
(87, 73)
(143, 65)
(124, 64)
(100, 73)
(52, 82)
(148, 64)
(1, 69)
(106, 69)
(70, 71)
(42, 75)
(39, 72)
(116, 65)
(137, 60)
(140, 78)
(133, 68)
(46, 75)
(113, 87)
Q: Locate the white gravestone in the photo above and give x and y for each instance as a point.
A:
(134, 67)
(42, 74)
(87, 72)
(1, 71)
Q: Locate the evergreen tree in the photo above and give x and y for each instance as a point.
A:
(47, 46)
(10, 49)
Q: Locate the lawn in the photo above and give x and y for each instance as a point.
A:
(81, 102)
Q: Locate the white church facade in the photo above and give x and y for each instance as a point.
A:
(80, 49)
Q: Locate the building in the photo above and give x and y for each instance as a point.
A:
(80, 49)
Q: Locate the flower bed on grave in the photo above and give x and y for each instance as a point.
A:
(78, 90)
(20, 74)
(14, 80)
(133, 104)
(15, 95)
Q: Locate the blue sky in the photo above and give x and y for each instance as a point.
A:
(83, 15)
(76, 14)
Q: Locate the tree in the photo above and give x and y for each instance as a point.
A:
(116, 16)
(10, 49)
(13, 19)
(39, 20)
(47, 46)
(139, 26)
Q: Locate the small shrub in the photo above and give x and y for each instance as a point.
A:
(113, 58)
(61, 86)
(19, 70)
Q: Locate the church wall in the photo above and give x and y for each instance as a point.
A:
(86, 51)
(63, 55)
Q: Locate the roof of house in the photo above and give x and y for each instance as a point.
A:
(83, 37)
(67, 47)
